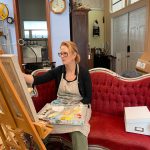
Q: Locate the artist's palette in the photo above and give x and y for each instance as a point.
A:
(69, 114)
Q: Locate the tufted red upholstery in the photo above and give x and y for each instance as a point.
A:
(45, 92)
(110, 94)
(108, 130)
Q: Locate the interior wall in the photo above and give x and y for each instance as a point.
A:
(96, 41)
(60, 31)
(96, 13)
(11, 27)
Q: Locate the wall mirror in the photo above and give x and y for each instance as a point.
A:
(34, 33)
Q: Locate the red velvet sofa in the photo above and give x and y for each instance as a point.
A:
(110, 94)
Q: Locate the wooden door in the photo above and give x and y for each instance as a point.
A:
(120, 34)
(128, 39)
(137, 27)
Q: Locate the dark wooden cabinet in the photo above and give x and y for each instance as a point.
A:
(79, 32)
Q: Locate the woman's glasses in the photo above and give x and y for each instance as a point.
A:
(64, 54)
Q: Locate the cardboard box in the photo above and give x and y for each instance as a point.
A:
(143, 63)
(137, 120)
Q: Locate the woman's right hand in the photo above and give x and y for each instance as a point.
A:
(28, 78)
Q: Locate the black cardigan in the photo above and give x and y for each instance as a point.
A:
(84, 81)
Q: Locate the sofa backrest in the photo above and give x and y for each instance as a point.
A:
(111, 92)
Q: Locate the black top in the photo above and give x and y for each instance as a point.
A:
(84, 81)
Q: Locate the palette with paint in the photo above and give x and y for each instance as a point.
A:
(64, 114)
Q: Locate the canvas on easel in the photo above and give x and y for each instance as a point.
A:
(17, 112)
(12, 68)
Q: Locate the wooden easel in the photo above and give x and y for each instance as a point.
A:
(15, 120)
(1, 51)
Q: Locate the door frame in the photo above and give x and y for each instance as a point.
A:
(18, 30)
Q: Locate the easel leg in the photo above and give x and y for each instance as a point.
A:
(12, 138)
(19, 137)
(3, 138)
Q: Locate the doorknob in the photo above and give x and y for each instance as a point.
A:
(128, 49)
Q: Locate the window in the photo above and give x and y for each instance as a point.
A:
(117, 5)
(35, 29)
(133, 1)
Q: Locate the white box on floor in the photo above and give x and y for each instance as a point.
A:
(137, 120)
